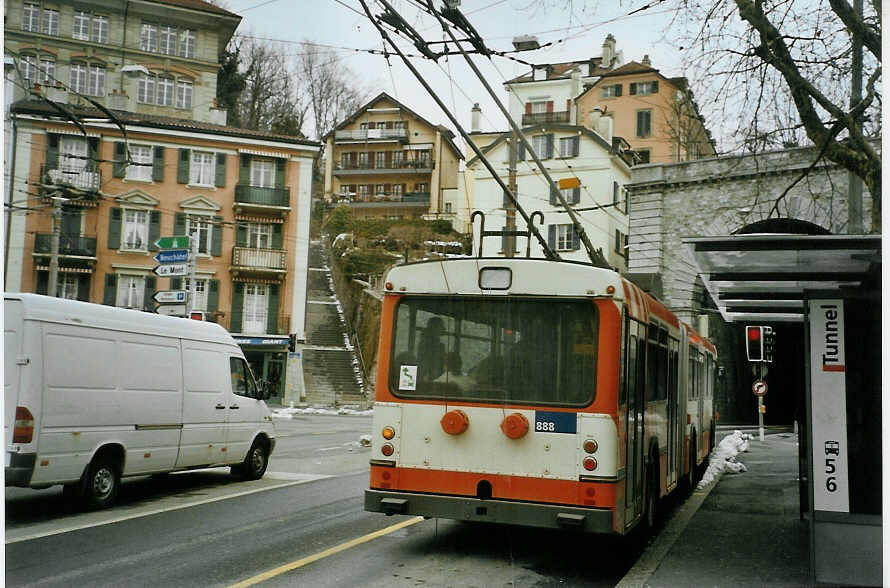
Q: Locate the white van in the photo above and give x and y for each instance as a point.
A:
(95, 393)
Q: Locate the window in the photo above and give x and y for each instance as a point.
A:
(644, 88)
(363, 191)
(643, 155)
(204, 229)
(380, 190)
(47, 73)
(28, 65)
(538, 107)
(620, 243)
(78, 81)
(565, 237)
(149, 38)
(262, 173)
(130, 291)
(397, 190)
(380, 160)
(183, 94)
(539, 144)
(81, 27)
(568, 146)
(135, 230)
(67, 286)
(345, 159)
(612, 91)
(202, 169)
(399, 124)
(31, 18)
(96, 82)
(398, 158)
(255, 308)
(363, 159)
(167, 37)
(72, 154)
(100, 29)
(424, 157)
(448, 208)
(616, 193)
(644, 123)
(199, 302)
(140, 168)
(259, 235)
(50, 22)
(165, 91)
(242, 378)
(187, 43)
(422, 187)
(145, 89)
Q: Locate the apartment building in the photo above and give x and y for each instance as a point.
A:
(142, 152)
(385, 160)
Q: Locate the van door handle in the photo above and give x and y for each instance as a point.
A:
(234, 407)
(220, 407)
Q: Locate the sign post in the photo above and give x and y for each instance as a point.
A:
(174, 259)
(759, 388)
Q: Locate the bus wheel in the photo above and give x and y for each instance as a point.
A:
(652, 497)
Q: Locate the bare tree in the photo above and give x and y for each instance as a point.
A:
(778, 72)
(333, 91)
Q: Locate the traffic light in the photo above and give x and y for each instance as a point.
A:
(754, 340)
(292, 342)
(769, 343)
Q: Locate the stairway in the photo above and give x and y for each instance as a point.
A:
(333, 376)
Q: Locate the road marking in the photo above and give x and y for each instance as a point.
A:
(323, 554)
(303, 479)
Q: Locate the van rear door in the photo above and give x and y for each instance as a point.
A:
(12, 371)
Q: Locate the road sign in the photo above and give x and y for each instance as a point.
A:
(759, 387)
(171, 269)
(172, 256)
(179, 242)
(170, 296)
(171, 309)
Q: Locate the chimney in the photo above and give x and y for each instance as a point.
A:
(646, 61)
(595, 116)
(608, 52)
(604, 128)
(475, 115)
(217, 115)
(576, 82)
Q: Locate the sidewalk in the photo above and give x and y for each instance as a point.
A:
(743, 531)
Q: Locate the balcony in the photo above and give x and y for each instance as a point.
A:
(409, 199)
(423, 166)
(69, 245)
(84, 179)
(255, 325)
(537, 118)
(400, 135)
(251, 260)
(262, 199)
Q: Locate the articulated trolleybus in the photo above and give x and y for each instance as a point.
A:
(534, 392)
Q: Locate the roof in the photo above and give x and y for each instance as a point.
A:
(446, 132)
(768, 276)
(42, 108)
(198, 5)
(631, 67)
(558, 71)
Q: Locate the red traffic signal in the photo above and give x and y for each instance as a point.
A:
(197, 315)
(754, 342)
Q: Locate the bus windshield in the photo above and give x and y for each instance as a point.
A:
(503, 350)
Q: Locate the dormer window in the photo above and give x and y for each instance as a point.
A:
(612, 91)
(644, 88)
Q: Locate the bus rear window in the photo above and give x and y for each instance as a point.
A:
(502, 350)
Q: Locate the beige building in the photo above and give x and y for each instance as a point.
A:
(387, 161)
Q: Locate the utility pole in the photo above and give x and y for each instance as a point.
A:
(854, 182)
(510, 209)
(53, 286)
(193, 272)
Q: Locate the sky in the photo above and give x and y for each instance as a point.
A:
(576, 28)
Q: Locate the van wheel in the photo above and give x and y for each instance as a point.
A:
(255, 463)
(102, 483)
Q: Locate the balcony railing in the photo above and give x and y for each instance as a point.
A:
(537, 118)
(247, 258)
(411, 166)
(84, 179)
(72, 245)
(245, 194)
(256, 324)
(371, 134)
(412, 198)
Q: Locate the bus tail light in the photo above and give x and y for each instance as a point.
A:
(590, 446)
(388, 433)
(589, 464)
(515, 425)
(387, 449)
(455, 422)
(23, 429)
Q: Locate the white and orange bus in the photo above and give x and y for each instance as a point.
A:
(534, 392)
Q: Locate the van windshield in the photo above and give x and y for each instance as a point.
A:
(504, 350)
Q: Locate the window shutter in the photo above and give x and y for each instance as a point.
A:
(157, 168)
(614, 192)
(212, 295)
(241, 235)
(617, 241)
(176, 283)
(277, 237)
(216, 237)
(655, 87)
(576, 195)
(182, 169)
(520, 152)
(528, 107)
(154, 229)
(151, 284)
(554, 199)
(550, 106)
(568, 104)
(280, 164)
(110, 289)
(92, 153)
(576, 238)
(83, 288)
(551, 237)
(114, 229)
(633, 88)
(43, 283)
(618, 89)
(119, 165)
(388, 159)
(244, 170)
(576, 146)
(549, 149)
(179, 224)
(52, 151)
(237, 307)
(272, 325)
(220, 179)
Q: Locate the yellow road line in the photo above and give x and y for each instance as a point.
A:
(323, 554)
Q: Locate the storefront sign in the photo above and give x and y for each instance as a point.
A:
(829, 406)
(260, 341)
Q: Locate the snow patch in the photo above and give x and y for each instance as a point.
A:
(723, 458)
(288, 413)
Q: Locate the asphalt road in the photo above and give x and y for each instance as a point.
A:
(302, 524)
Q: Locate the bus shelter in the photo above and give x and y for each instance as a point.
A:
(832, 284)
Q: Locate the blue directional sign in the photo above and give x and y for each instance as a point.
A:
(172, 256)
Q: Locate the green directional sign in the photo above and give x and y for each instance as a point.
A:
(179, 242)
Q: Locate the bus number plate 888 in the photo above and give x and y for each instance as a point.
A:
(555, 422)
